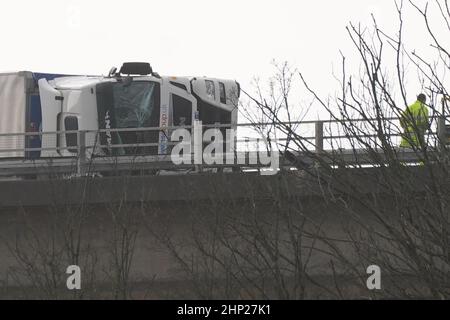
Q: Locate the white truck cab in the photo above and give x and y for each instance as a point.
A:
(135, 97)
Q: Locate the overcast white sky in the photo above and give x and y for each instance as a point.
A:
(226, 39)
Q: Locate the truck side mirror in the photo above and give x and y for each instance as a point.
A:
(112, 72)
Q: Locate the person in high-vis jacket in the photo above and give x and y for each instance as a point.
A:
(414, 121)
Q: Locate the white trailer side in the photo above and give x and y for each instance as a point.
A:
(13, 101)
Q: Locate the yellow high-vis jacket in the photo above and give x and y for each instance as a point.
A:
(414, 120)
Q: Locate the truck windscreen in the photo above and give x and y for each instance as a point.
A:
(133, 104)
(128, 105)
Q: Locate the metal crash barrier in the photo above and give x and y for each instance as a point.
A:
(88, 153)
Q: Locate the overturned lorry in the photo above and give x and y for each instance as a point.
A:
(134, 97)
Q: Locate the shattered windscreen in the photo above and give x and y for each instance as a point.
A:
(129, 105)
(133, 104)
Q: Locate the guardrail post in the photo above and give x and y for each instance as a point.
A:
(82, 157)
(441, 132)
(319, 137)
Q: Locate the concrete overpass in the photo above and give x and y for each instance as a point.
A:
(40, 215)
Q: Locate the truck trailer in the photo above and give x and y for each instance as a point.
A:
(20, 110)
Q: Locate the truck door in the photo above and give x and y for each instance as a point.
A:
(181, 112)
